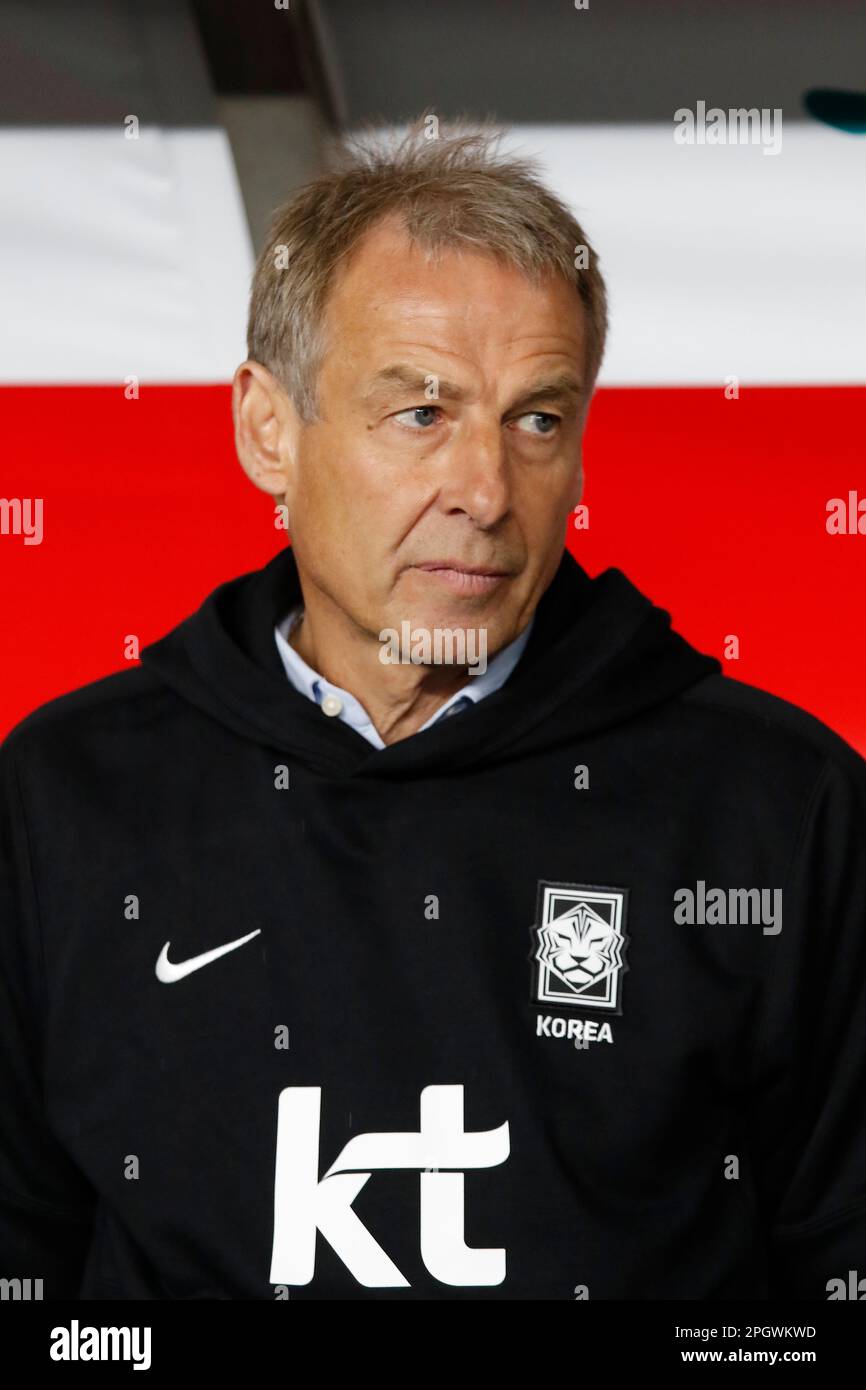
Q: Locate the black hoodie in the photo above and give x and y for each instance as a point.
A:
(491, 1020)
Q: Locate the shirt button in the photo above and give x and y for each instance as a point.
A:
(332, 705)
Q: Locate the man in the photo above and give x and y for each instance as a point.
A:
(332, 969)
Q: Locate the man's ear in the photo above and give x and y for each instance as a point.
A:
(266, 428)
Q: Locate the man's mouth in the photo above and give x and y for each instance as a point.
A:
(464, 579)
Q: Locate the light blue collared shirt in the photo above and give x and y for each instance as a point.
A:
(336, 702)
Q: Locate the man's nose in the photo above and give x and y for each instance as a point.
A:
(478, 479)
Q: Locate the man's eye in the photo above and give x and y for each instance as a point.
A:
(414, 422)
(547, 423)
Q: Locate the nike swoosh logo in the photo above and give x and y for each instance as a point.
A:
(168, 972)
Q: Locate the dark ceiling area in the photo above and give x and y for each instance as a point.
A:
(532, 61)
(252, 50)
(259, 50)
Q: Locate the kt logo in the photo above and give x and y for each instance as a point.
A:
(305, 1203)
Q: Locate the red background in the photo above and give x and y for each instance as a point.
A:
(715, 508)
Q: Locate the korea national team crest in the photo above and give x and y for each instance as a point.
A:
(579, 946)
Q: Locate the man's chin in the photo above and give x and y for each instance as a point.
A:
(445, 635)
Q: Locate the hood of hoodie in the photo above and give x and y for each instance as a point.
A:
(600, 652)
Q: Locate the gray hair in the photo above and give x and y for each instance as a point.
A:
(455, 190)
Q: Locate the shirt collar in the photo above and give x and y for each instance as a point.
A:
(352, 712)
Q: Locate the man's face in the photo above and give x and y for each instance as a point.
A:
(437, 484)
